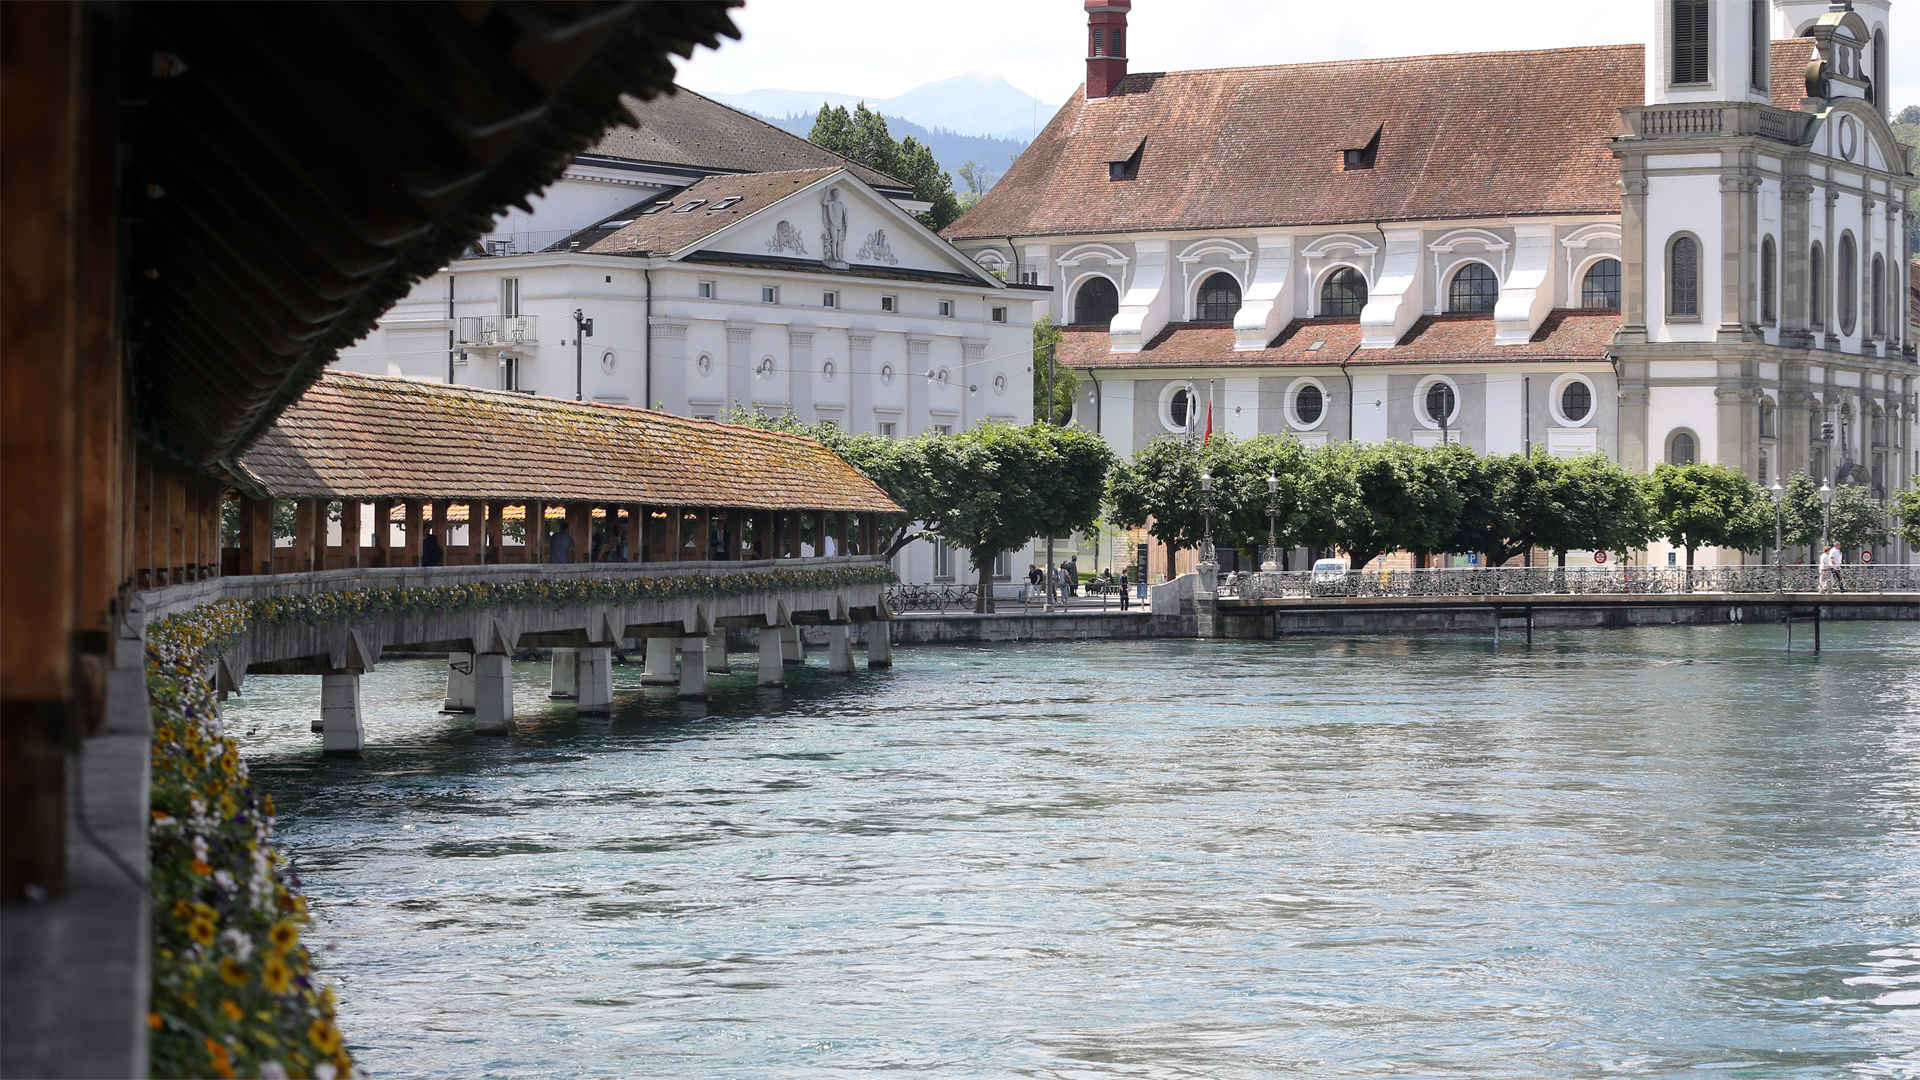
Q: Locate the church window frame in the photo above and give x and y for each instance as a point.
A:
(1759, 43)
(1879, 302)
(1816, 286)
(1348, 303)
(1295, 391)
(1472, 292)
(1600, 284)
(1435, 390)
(1168, 404)
(1683, 277)
(1215, 309)
(1768, 281)
(1572, 389)
(1680, 438)
(1690, 43)
(1080, 298)
(1844, 291)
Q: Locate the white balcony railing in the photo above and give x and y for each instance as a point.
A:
(481, 331)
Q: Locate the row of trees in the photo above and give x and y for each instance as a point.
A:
(861, 134)
(1366, 499)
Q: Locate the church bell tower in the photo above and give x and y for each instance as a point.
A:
(1106, 45)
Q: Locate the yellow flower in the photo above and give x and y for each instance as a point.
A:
(201, 867)
(227, 806)
(262, 1037)
(266, 805)
(182, 910)
(231, 972)
(205, 911)
(284, 935)
(233, 1011)
(324, 1036)
(201, 930)
(153, 1020)
(275, 975)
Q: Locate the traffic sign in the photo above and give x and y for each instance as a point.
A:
(1866, 555)
(1600, 556)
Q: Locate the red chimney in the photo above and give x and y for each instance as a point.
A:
(1106, 45)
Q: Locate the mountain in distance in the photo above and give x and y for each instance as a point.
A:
(950, 149)
(977, 103)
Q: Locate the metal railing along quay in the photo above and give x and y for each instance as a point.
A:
(1568, 581)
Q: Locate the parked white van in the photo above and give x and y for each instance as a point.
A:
(1330, 571)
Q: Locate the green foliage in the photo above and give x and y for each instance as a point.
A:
(1800, 513)
(1587, 503)
(1158, 489)
(1066, 385)
(1858, 521)
(998, 486)
(1906, 506)
(1372, 498)
(1704, 505)
(1240, 470)
(1497, 499)
(862, 136)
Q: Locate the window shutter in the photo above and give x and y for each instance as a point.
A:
(1689, 41)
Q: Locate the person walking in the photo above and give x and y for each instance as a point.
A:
(1126, 591)
(560, 546)
(1830, 563)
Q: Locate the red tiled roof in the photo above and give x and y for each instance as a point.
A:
(691, 131)
(1565, 334)
(1787, 77)
(369, 437)
(1467, 135)
(634, 232)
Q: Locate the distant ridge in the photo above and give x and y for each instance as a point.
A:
(978, 103)
(951, 150)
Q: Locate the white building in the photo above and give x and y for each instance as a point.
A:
(723, 264)
(1689, 250)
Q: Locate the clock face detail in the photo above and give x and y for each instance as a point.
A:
(607, 362)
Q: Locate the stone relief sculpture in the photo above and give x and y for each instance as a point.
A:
(786, 238)
(833, 242)
(876, 249)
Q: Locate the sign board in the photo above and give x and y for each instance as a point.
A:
(1600, 556)
(1866, 555)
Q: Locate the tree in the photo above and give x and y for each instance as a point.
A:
(1858, 521)
(1587, 503)
(1240, 469)
(1367, 499)
(1066, 385)
(977, 180)
(1494, 492)
(1702, 505)
(1906, 505)
(862, 136)
(1158, 489)
(1801, 516)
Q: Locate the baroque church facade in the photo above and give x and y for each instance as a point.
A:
(1688, 250)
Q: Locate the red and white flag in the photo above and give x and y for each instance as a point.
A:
(1208, 437)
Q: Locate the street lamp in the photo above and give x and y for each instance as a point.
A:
(1273, 510)
(1779, 495)
(1206, 508)
(1826, 513)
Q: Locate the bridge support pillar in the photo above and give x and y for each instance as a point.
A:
(880, 643)
(343, 735)
(717, 651)
(566, 674)
(793, 646)
(659, 669)
(492, 693)
(773, 668)
(839, 650)
(459, 683)
(693, 669)
(593, 674)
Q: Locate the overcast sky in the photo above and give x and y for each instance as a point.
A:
(880, 48)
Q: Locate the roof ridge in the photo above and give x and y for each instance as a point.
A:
(1364, 60)
(677, 88)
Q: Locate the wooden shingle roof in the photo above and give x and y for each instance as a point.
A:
(367, 437)
(691, 131)
(662, 224)
(1566, 334)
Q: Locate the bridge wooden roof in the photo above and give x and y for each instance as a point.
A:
(364, 437)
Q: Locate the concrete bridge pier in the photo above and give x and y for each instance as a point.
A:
(593, 680)
(459, 683)
(492, 693)
(880, 643)
(839, 649)
(693, 669)
(342, 733)
(717, 651)
(793, 646)
(566, 674)
(773, 648)
(659, 665)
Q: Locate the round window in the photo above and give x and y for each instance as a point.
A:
(1177, 407)
(1308, 404)
(1576, 401)
(1440, 402)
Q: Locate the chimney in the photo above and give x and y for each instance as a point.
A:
(1106, 45)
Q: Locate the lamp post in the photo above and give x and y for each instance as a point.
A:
(1779, 495)
(1206, 509)
(1272, 562)
(1826, 513)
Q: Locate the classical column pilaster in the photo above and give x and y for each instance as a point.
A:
(1633, 253)
(1736, 257)
(1792, 262)
(1633, 416)
(1829, 277)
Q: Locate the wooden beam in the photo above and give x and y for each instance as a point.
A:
(304, 513)
(416, 528)
(350, 530)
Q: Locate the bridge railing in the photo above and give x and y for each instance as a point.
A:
(941, 598)
(1570, 581)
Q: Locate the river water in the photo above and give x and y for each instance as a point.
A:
(1635, 853)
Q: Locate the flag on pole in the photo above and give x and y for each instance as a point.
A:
(1208, 437)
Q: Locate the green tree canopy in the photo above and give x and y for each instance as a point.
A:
(1906, 508)
(1495, 492)
(862, 136)
(1858, 521)
(1066, 385)
(1158, 489)
(1587, 503)
(1702, 505)
(1371, 498)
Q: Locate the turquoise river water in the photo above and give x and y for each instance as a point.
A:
(1631, 853)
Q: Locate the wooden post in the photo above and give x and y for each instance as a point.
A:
(793, 534)
(143, 505)
(636, 533)
(176, 523)
(536, 532)
(440, 530)
(322, 512)
(382, 530)
(580, 527)
(305, 511)
(350, 530)
(495, 533)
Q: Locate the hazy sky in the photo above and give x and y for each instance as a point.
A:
(881, 48)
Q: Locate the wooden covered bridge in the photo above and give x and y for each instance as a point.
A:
(509, 521)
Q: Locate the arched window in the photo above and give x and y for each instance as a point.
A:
(1440, 402)
(1096, 302)
(1879, 296)
(1343, 293)
(1764, 474)
(1766, 418)
(1576, 401)
(1680, 451)
(1843, 290)
(1474, 288)
(1219, 298)
(1683, 278)
(1601, 288)
(1177, 406)
(1877, 91)
(1308, 404)
(1766, 280)
(1816, 288)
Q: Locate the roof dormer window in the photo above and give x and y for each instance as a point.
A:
(1123, 161)
(691, 206)
(724, 203)
(657, 207)
(1362, 157)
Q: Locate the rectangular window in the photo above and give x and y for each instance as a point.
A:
(942, 560)
(1030, 277)
(1690, 42)
(769, 294)
(829, 299)
(510, 296)
(889, 303)
(886, 431)
(706, 290)
(1761, 56)
(946, 309)
(943, 429)
(999, 314)
(1001, 571)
